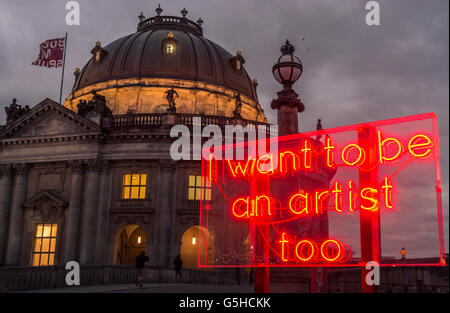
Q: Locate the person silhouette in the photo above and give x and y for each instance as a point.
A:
(141, 259)
(178, 266)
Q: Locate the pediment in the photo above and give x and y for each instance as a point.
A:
(46, 204)
(49, 119)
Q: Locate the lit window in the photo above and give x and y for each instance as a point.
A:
(134, 186)
(170, 48)
(97, 56)
(195, 188)
(238, 64)
(44, 245)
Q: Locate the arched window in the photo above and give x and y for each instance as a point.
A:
(130, 241)
(190, 241)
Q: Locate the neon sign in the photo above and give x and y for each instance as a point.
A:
(313, 201)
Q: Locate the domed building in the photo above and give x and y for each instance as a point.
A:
(134, 72)
(93, 180)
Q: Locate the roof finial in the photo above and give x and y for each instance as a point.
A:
(200, 22)
(319, 124)
(319, 128)
(287, 48)
(184, 12)
(141, 17)
(159, 10)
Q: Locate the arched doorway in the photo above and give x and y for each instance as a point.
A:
(189, 246)
(130, 241)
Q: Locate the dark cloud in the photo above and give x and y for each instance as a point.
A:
(353, 72)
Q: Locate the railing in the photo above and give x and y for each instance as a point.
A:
(134, 203)
(348, 286)
(137, 120)
(154, 120)
(176, 21)
(28, 278)
(193, 204)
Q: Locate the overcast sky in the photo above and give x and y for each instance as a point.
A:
(353, 72)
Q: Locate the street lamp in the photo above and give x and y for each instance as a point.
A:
(289, 68)
(287, 71)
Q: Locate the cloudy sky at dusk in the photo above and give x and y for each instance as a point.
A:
(353, 73)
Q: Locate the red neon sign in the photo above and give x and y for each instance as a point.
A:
(306, 201)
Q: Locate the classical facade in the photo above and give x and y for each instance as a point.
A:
(92, 180)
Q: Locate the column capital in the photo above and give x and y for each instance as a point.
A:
(76, 166)
(105, 165)
(94, 165)
(167, 165)
(6, 170)
(22, 169)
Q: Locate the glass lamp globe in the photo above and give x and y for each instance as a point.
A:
(289, 68)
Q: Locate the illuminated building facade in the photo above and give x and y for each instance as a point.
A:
(93, 180)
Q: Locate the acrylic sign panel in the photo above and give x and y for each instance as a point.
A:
(327, 198)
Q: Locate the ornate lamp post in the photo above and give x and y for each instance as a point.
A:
(287, 71)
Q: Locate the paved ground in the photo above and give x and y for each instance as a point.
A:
(150, 288)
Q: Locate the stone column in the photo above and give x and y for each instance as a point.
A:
(164, 214)
(89, 212)
(288, 106)
(16, 221)
(74, 212)
(5, 204)
(104, 202)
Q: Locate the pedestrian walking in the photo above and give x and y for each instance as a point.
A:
(178, 263)
(141, 259)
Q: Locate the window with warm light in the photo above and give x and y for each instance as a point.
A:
(44, 245)
(238, 64)
(170, 48)
(195, 188)
(97, 56)
(134, 186)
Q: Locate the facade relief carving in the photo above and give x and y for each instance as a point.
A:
(76, 166)
(22, 169)
(46, 205)
(51, 178)
(6, 169)
(51, 124)
(131, 219)
(95, 165)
